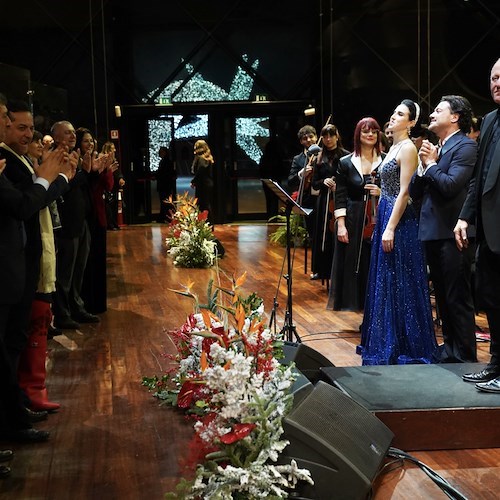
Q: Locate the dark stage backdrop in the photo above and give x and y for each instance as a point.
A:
(353, 58)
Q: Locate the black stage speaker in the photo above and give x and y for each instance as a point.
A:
(301, 387)
(306, 359)
(338, 440)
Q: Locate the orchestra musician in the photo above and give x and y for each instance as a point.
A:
(323, 180)
(299, 178)
(356, 199)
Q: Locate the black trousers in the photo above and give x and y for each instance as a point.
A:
(451, 276)
(488, 294)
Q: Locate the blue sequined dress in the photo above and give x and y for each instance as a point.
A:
(397, 324)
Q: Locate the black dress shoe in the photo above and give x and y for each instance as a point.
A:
(4, 471)
(85, 317)
(36, 416)
(53, 332)
(491, 386)
(485, 375)
(6, 455)
(24, 435)
(66, 324)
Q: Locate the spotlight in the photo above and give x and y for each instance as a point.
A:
(310, 111)
(118, 111)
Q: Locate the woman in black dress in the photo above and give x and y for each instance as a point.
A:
(356, 199)
(202, 170)
(323, 180)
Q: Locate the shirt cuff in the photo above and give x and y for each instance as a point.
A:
(64, 176)
(341, 212)
(43, 182)
(431, 164)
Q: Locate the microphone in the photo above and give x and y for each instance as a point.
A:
(314, 149)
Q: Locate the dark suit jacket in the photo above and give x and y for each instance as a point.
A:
(489, 198)
(75, 206)
(17, 173)
(444, 187)
(15, 206)
(298, 163)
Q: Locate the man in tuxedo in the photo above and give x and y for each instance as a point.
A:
(441, 183)
(481, 208)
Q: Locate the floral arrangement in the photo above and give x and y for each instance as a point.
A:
(228, 377)
(190, 241)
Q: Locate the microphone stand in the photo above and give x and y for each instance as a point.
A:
(289, 332)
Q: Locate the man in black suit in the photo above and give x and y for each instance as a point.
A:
(20, 173)
(441, 183)
(482, 208)
(300, 175)
(15, 207)
(73, 240)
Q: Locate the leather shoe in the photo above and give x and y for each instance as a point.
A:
(66, 324)
(85, 317)
(24, 435)
(53, 332)
(4, 471)
(36, 416)
(491, 386)
(6, 455)
(485, 375)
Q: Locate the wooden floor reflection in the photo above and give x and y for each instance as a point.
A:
(111, 439)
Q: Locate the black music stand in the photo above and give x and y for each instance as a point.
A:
(288, 330)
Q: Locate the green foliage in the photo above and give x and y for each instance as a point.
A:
(298, 232)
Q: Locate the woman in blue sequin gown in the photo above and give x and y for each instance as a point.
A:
(397, 325)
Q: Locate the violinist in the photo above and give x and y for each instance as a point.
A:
(356, 199)
(299, 178)
(323, 180)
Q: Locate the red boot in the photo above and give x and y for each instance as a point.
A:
(31, 371)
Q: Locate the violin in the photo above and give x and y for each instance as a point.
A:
(331, 210)
(370, 217)
(371, 204)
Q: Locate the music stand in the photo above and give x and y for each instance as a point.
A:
(288, 330)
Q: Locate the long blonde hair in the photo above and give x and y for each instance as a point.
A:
(202, 149)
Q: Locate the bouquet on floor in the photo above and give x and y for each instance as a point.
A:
(228, 377)
(191, 242)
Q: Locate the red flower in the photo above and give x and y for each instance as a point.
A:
(190, 393)
(222, 334)
(206, 343)
(239, 432)
(203, 215)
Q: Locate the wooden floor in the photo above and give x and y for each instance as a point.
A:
(111, 439)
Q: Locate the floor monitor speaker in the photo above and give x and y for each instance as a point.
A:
(338, 440)
(306, 359)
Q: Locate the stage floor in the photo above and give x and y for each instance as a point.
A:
(425, 406)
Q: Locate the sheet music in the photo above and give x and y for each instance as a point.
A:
(285, 197)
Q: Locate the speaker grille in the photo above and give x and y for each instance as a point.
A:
(340, 427)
